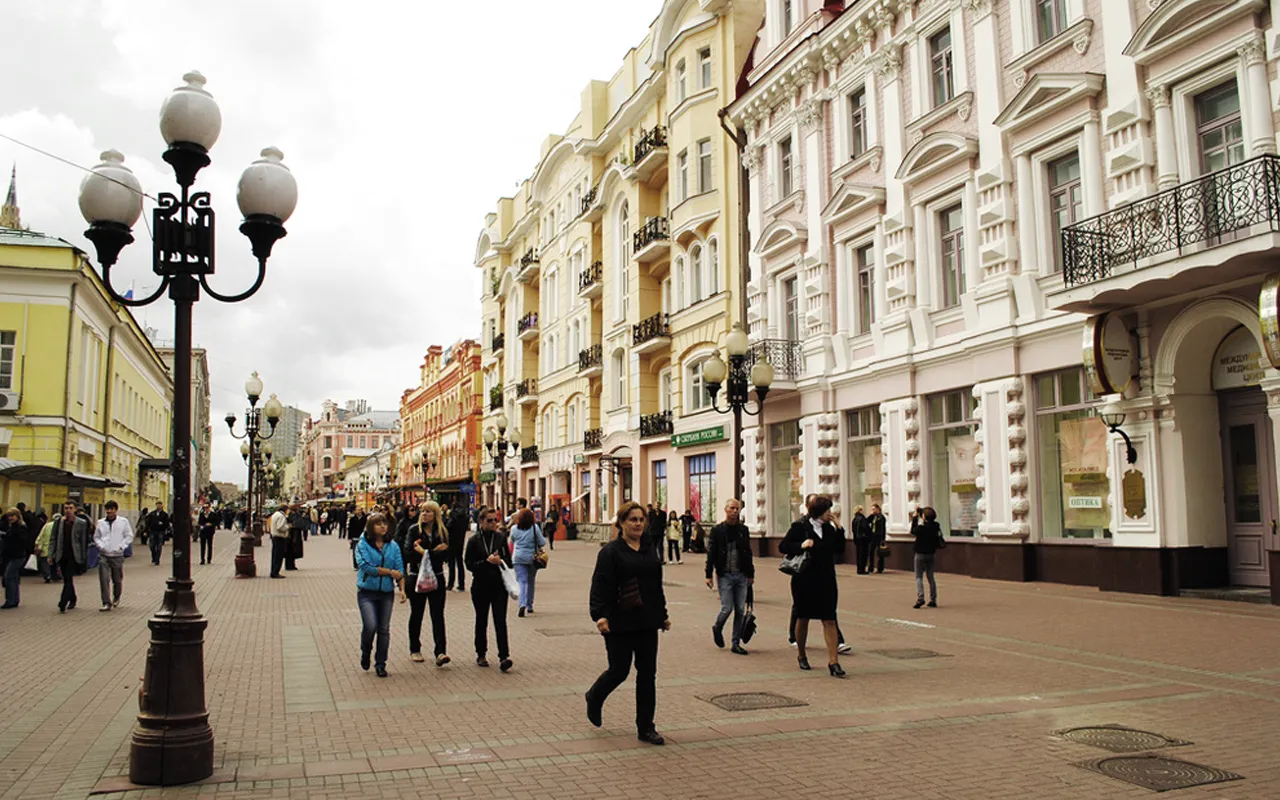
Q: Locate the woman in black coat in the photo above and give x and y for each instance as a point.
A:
(813, 591)
(629, 608)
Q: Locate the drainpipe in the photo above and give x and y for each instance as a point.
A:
(106, 397)
(744, 215)
(66, 401)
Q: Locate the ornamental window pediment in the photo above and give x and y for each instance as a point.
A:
(1175, 24)
(935, 152)
(852, 199)
(1045, 94)
(781, 235)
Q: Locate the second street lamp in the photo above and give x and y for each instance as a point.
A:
(497, 443)
(734, 377)
(273, 411)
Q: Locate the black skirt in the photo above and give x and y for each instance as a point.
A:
(814, 593)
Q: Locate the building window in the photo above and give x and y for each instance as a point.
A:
(951, 223)
(704, 165)
(699, 398)
(791, 309)
(682, 174)
(787, 462)
(702, 486)
(622, 289)
(349, 444)
(704, 67)
(328, 462)
(8, 344)
(940, 66)
(954, 449)
(362, 441)
(680, 88)
(858, 123)
(866, 479)
(619, 379)
(713, 267)
(788, 24)
(1066, 199)
(328, 443)
(1051, 18)
(695, 274)
(660, 484)
(680, 279)
(1219, 128)
(664, 390)
(866, 288)
(1074, 489)
(784, 164)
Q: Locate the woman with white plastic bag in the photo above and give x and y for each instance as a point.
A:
(486, 556)
(425, 554)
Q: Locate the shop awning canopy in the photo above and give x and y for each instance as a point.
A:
(39, 473)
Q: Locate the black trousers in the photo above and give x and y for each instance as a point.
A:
(688, 540)
(68, 567)
(418, 603)
(279, 546)
(206, 548)
(864, 554)
(673, 550)
(292, 549)
(490, 601)
(456, 569)
(622, 648)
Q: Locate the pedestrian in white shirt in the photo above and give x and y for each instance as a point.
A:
(278, 527)
(113, 536)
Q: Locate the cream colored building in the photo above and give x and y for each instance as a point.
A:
(607, 279)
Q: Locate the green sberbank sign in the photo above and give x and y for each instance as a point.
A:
(703, 436)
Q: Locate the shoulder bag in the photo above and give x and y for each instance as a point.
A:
(796, 564)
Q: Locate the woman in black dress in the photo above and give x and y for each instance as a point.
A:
(813, 591)
(629, 608)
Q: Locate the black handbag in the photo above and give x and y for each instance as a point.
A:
(794, 565)
(749, 618)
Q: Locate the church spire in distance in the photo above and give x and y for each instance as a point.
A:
(9, 215)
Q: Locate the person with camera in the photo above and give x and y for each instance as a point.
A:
(928, 541)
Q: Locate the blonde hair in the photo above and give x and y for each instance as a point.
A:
(436, 516)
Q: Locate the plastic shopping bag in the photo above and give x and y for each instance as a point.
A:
(427, 580)
(509, 580)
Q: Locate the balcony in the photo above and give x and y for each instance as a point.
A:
(591, 439)
(653, 240)
(529, 455)
(590, 282)
(592, 205)
(588, 200)
(591, 361)
(651, 334)
(529, 265)
(527, 392)
(527, 327)
(498, 342)
(650, 153)
(655, 425)
(784, 355)
(1175, 241)
(495, 398)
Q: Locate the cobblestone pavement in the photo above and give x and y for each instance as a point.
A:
(1006, 667)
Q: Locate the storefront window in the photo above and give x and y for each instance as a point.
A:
(866, 478)
(1074, 489)
(785, 451)
(660, 484)
(702, 486)
(954, 448)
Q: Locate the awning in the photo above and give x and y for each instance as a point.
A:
(39, 473)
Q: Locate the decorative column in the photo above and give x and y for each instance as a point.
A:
(1166, 144)
(972, 261)
(1262, 129)
(900, 447)
(923, 264)
(1028, 258)
(828, 460)
(1091, 168)
(879, 274)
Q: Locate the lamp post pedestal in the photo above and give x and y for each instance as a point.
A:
(245, 565)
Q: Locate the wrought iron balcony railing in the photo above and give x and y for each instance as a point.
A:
(527, 322)
(655, 425)
(650, 328)
(526, 387)
(1202, 211)
(590, 275)
(530, 257)
(657, 229)
(651, 140)
(499, 342)
(588, 199)
(591, 439)
(529, 455)
(783, 355)
(593, 356)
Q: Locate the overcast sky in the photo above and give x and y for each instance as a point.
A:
(402, 121)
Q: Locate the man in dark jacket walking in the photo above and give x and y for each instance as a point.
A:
(879, 533)
(457, 526)
(158, 525)
(729, 558)
(69, 549)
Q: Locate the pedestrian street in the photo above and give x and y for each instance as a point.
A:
(966, 700)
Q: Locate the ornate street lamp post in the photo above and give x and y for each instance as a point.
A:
(715, 372)
(173, 743)
(424, 462)
(497, 443)
(273, 411)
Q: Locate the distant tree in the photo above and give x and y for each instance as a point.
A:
(213, 494)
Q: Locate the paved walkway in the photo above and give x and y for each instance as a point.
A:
(963, 701)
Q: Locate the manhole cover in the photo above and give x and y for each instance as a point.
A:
(753, 701)
(1158, 773)
(1119, 739)
(906, 653)
(567, 632)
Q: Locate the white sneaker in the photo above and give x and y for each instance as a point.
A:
(106, 607)
(844, 648)
(793, 644)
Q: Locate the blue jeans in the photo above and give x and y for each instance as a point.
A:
(733, 598)
(12, 578)
(375, 616)
(526, 579)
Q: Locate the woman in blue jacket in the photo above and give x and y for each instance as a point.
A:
(379, 565)
(526, 541)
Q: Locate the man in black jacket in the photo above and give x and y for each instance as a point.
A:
(655, 527)
(729, 557)
(878, 525)
(158, 526)
(457, 526)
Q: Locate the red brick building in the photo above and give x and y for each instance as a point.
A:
(440, 418)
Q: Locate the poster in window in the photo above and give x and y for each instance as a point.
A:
(873, 474)
(1082, 451)
(962, 474)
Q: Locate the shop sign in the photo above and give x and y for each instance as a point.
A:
(1085, 502)
(1108, 354)
(1269, 317)
(703, 436)
(579, 458)
(1238, 362)
(1134, 488)
(487, 477)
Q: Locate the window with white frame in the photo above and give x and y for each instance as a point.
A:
(1066, 199)
(619, 378)
(1051, 18)
(704, 165)
(704, 68)
(788, 21)
(622, 288)
(791, 308)
(953, 446)
(682, 175)
(864, 257)
(680, 279)
(680, 82)
(1219, 128)
(667, 306)
(951, 228)
(713, 266)
(695, 274)
(858, 123)
(575, 339)
(664, 390)
(571, 417)
(697, 398)
(942, 77)
(785, 176)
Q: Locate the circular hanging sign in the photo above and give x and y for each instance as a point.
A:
(1108, 354)
(1269, 317)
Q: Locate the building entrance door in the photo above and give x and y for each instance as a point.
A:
(1248, 471)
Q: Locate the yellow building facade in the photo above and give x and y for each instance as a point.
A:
(612, 275)
(84, 398)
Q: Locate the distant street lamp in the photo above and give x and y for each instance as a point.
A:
(715, 373)
(497, 443)
(251, 537)
(173, 743)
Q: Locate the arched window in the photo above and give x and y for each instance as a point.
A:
(575, 341)
(680, 279)
(713, 269)
(695, 274)
(328, 462)
(696, 397)
(621, 290)
(572, 414)
(619, 379)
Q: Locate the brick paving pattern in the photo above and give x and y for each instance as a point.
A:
(294, 716)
